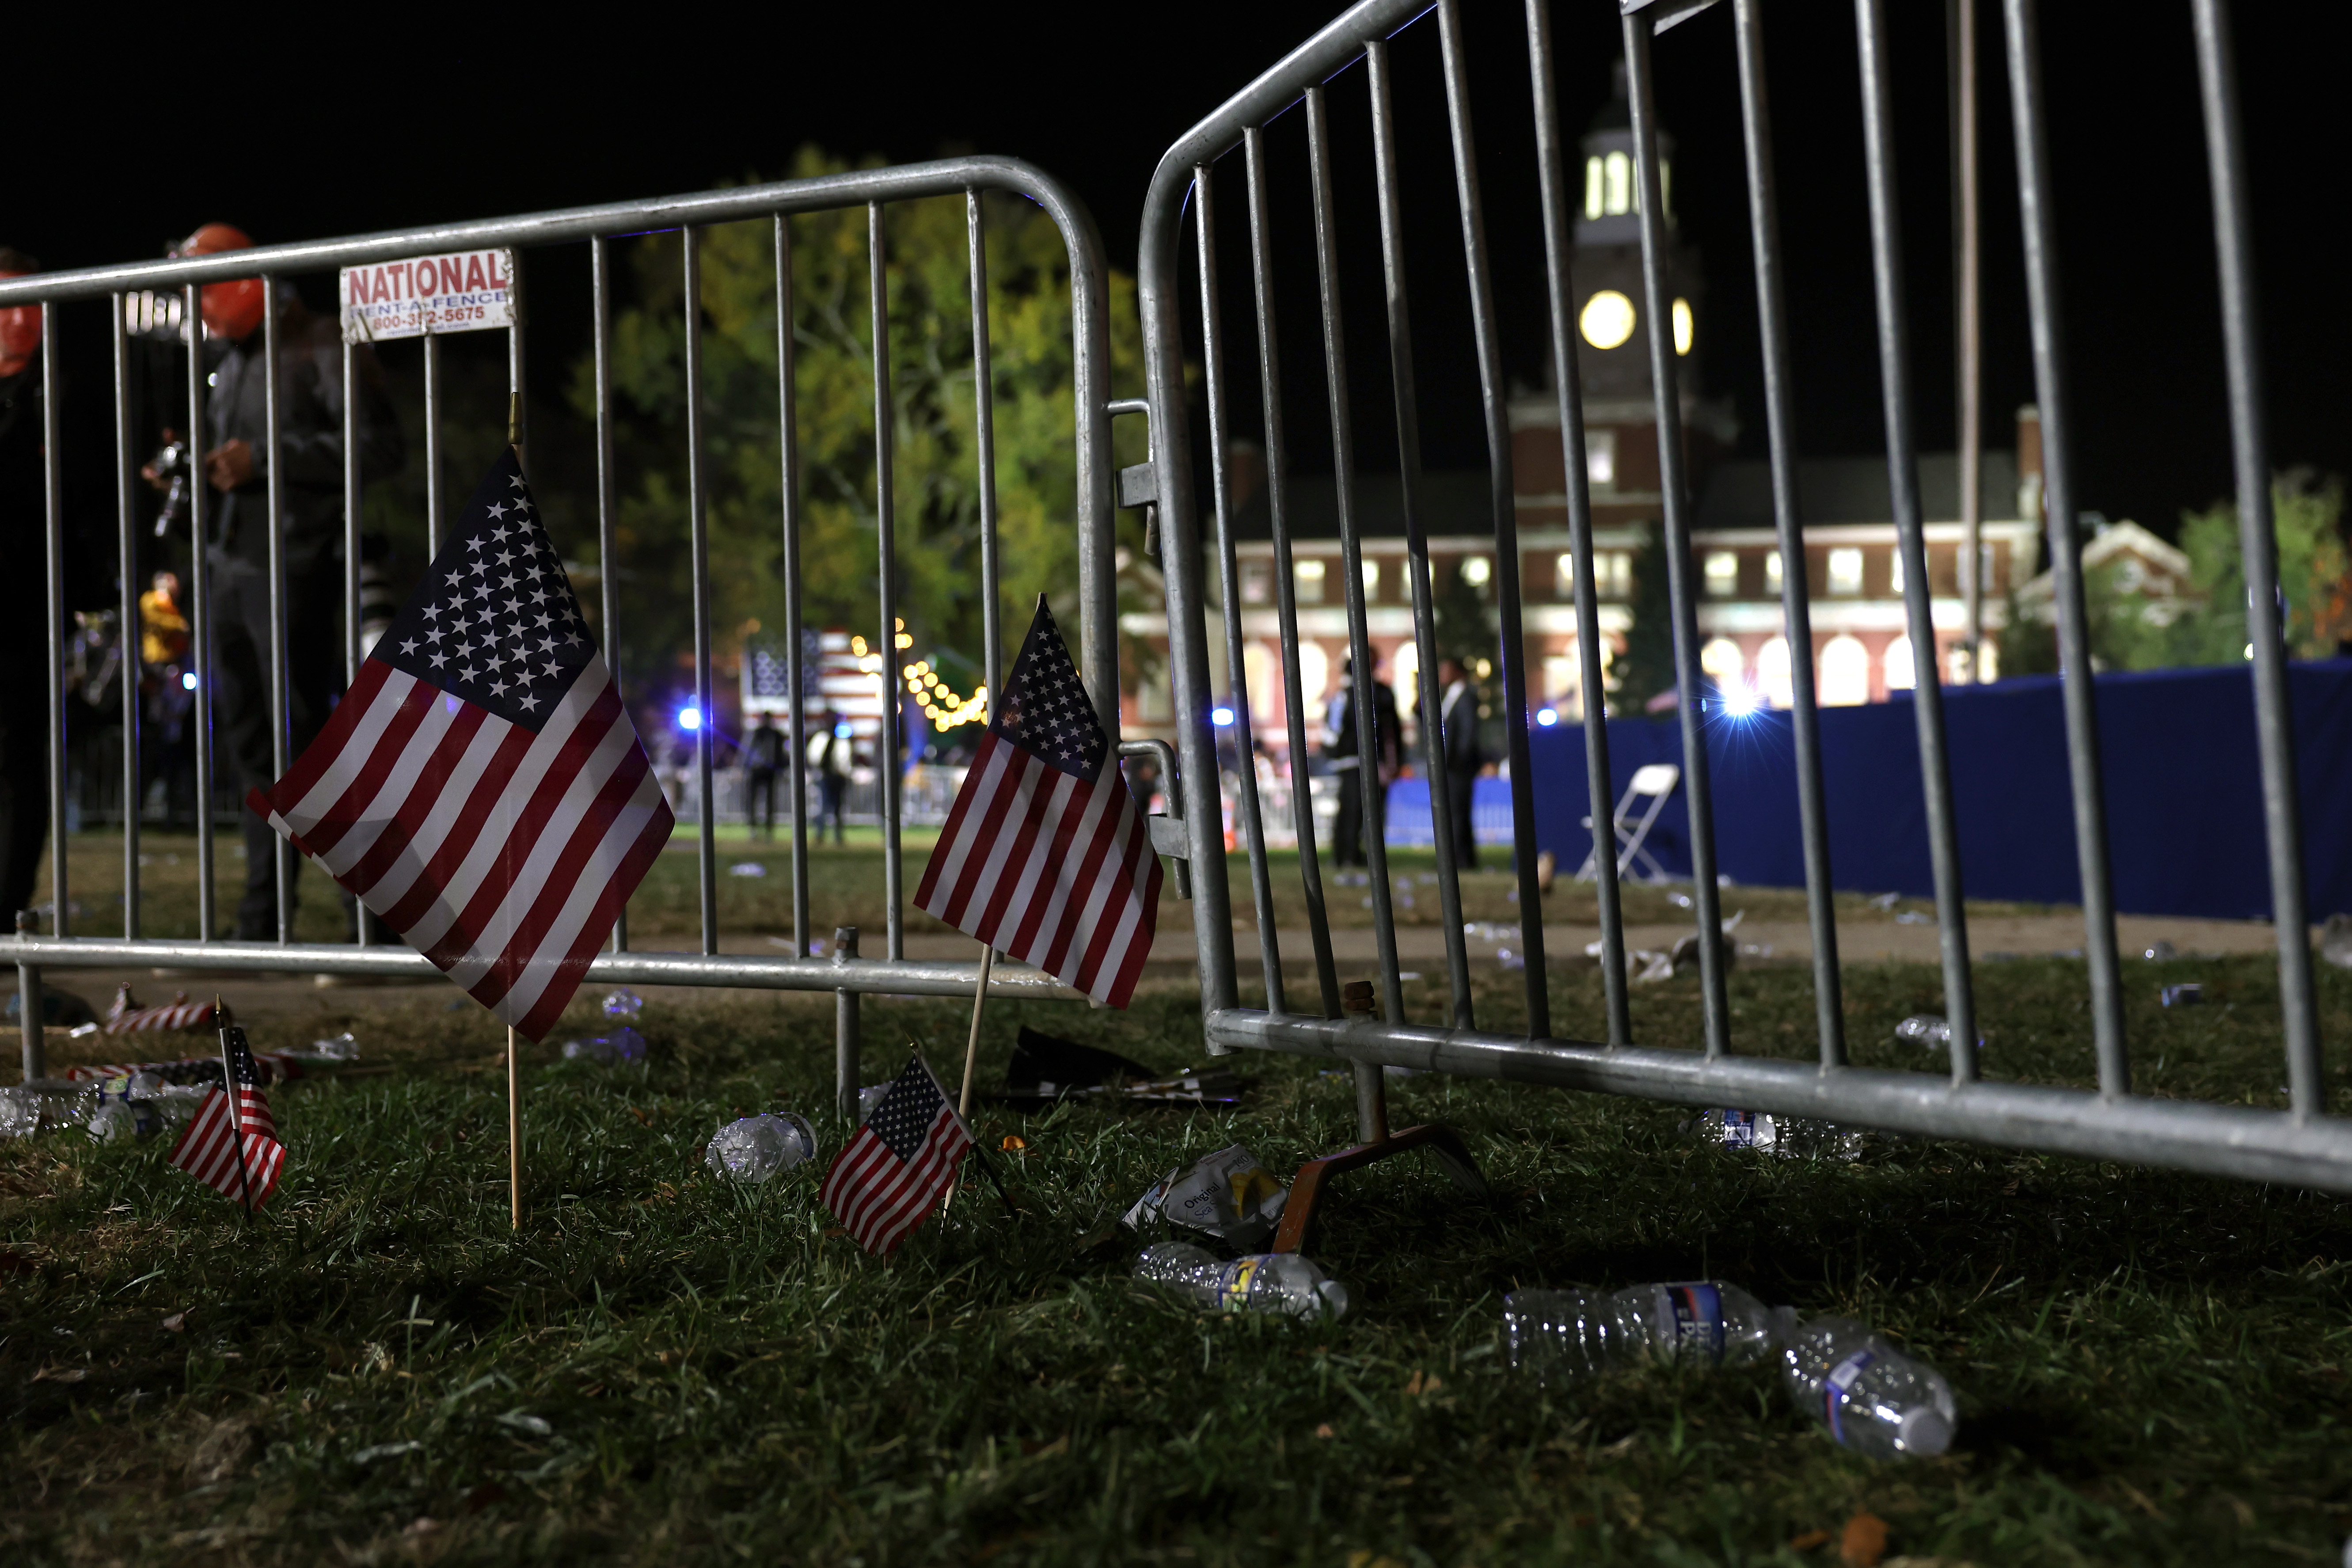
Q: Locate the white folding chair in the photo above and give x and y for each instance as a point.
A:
(1652, 784)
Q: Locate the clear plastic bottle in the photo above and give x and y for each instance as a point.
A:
(1561, 1336)
(758, 1147)
(622, 1047)
(624, 1004)
(1261, 1282)
(1925, 1029)
(1790, 1137)
(1872, 1396)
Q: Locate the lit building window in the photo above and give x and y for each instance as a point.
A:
(1722, 570)
(1314, 676)
(1566, 570)
(1896, 662)
(1372, 579)
(1774, 680)
(1721, 658)
(1607, 319)
(1404, 677)
(1845, 671)
(1895, 572)
(1682, 326)
(1600, 459)
(1846, 572)
(1592, 186)
(1476, 570)
(1612, 575)
(1308, 574)
(1258, 680)
(1255, 582)
(1772, 578)
(1617, 184)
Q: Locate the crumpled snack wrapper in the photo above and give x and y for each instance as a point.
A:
(1227, 1194)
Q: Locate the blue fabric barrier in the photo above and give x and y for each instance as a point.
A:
(1490, 813)
(2182, 783)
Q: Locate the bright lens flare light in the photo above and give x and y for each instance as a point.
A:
(1738, 699)
(188, 677)
(689, 720)
(1220, 717)
(1546, 717)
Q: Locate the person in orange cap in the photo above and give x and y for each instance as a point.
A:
(237, 461)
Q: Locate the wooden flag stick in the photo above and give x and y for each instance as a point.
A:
(971, 1066)
(514, 1124)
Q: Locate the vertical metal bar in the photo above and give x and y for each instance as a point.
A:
(789, 420)
(2225, 154)
(845, 1029)
(1503, 488)
(32, 1043)
(2039, 221)
(53, 490)
(983, 418)
(517, 388)
(1796, 585)
(1372, 1114)
(1416, 536)
(1569, 389)
(885, 544)
(126, 515)
(200, 613)
(697, 505)
(435, 500)
(1285, 587)
(1903, 481)
(362, 917)
(608, 586)
(1657, 297)
(281, 863)
(1960, 17)
(1221, 492)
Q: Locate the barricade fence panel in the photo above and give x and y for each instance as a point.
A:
(1216, 176)
(161, 299)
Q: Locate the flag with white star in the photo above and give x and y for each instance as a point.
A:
(1045, 856)
(481, 787)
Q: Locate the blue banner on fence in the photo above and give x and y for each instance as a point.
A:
(1490, 813)
(2183, 790)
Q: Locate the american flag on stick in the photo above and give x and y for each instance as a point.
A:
(231, 1145)
(885, 1180)
(481, 787)
(1045, 854)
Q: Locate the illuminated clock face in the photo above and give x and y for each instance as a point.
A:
(1607, 319)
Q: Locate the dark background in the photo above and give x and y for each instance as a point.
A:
(118, 145)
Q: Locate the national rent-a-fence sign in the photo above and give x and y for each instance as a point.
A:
(465, 291)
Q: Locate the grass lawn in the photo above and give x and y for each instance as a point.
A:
(661, 1369)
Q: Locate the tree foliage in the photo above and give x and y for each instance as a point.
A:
(1646, 668)
(932, 410)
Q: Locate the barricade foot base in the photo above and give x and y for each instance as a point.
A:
(1307, 1187)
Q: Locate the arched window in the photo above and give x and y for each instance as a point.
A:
(1314, 678)
(1773, 678)
(1257, 682)
(1404, 671)
(1845, 673)
(1896, 662)
(1617, 184)
(1592, 187)
(1721, 658)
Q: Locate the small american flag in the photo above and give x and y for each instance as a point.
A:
(884, 1182)
(208, 1149)
(479, 787)
(1045, 856)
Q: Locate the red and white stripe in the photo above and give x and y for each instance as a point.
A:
(1049, 870)
(878, 1197)
(502, 855)
(207, 1149)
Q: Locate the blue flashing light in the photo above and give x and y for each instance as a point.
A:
(1220, 717)
(188, 681)
(1546, 717)
(689, 720)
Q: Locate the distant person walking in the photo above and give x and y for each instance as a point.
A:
(1340, 742)
(832, 752)
(764, 758)
(1457, 718)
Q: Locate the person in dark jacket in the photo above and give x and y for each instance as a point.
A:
(1341, 748)
(1458, 719)
(236, 464)
(23, 619)
(764, 758)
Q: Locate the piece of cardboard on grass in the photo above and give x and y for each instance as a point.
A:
(1048, 1067)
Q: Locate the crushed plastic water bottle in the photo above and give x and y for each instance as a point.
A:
(623, 1047)
(1928, 1032)
(624, 1004)
(756, 1148)
(1563, 1336)
(29, 1108)
(343, 1047)
(1261, 1282)
(1790, 1137)
(747, 869)
(1874, 1399)
(868, 1098)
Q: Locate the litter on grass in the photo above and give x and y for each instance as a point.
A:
(757, 1148)
(623, 1047)
(1227, 1194)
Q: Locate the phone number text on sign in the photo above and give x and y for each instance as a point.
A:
(465, 291)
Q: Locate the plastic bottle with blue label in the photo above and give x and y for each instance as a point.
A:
(1873, 1397)
(1261, 1282)
(1564, 1336)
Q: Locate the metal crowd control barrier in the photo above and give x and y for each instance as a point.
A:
(2300, 1145)
(843, 971)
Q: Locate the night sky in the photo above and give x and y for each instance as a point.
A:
(119, 144)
